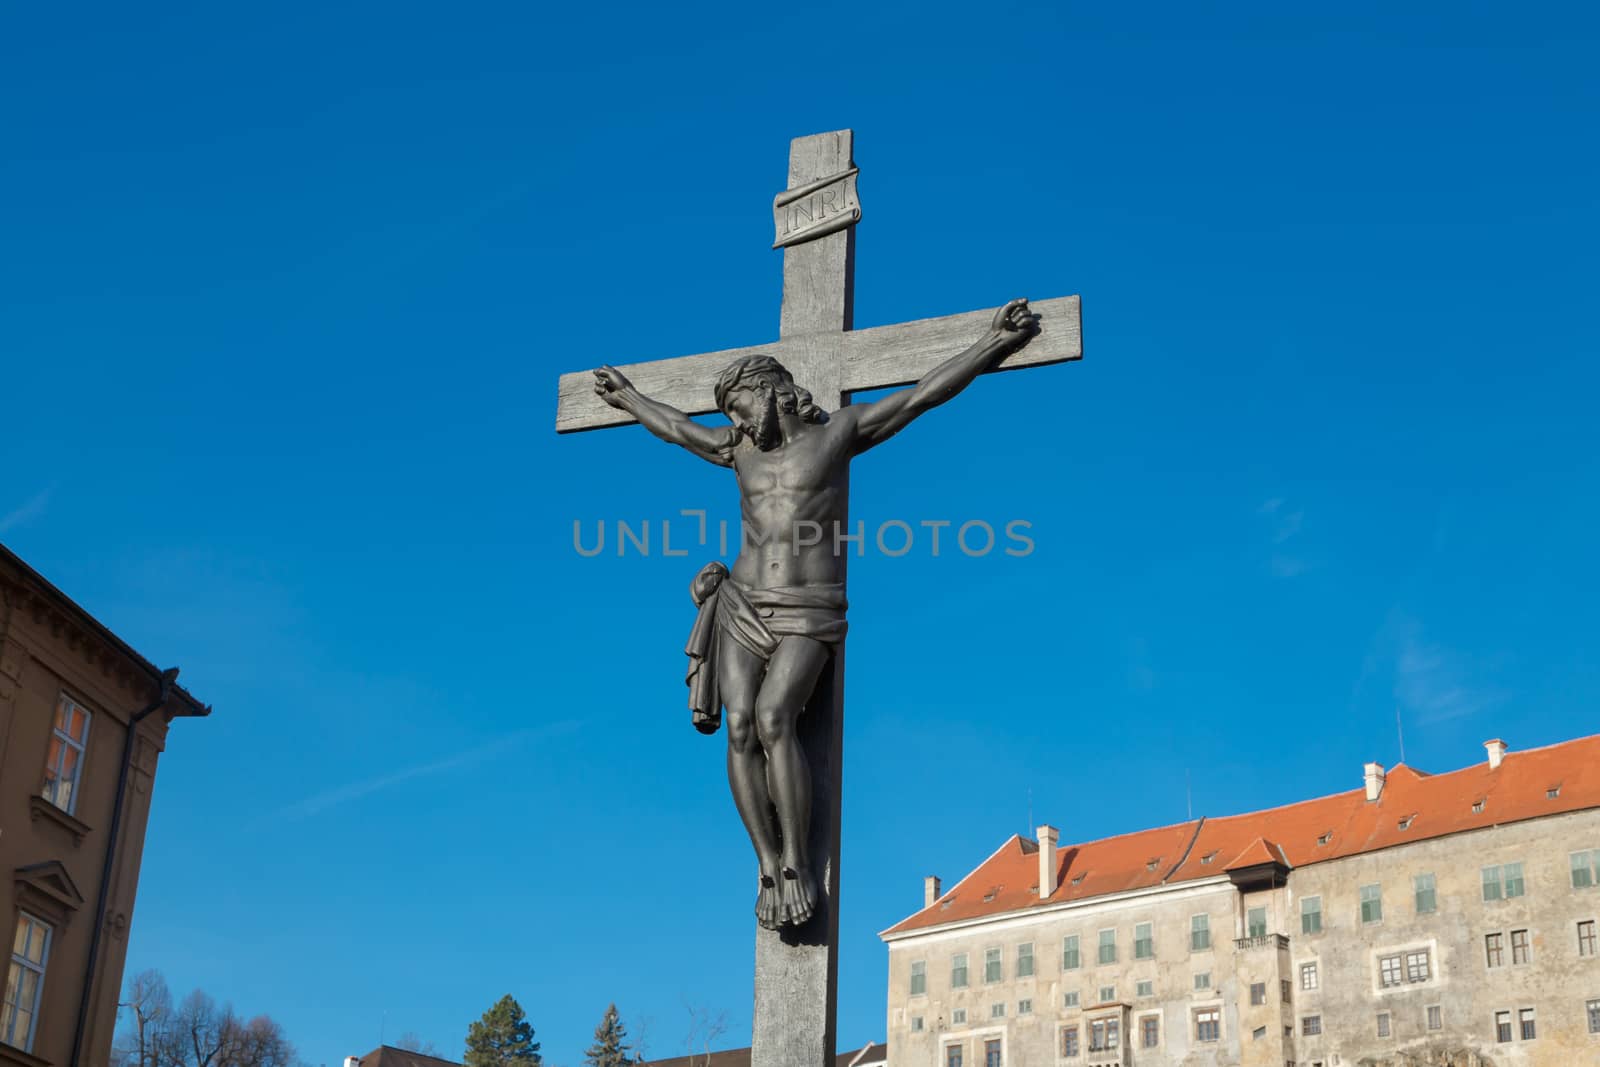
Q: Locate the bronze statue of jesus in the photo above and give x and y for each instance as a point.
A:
(766, 630)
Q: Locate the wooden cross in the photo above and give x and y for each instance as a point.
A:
(797, 970)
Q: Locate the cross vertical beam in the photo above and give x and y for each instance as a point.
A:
(797, 971)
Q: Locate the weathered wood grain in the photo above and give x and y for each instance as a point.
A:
(684, 382)
(900, 354)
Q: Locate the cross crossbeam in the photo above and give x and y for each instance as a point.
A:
(876, 358)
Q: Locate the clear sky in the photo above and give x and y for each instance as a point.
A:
(283, 298)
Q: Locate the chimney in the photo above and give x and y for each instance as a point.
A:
(1375, 778)
(930, 890)
(352, 1061)
(1048, 836)
(1497, 752)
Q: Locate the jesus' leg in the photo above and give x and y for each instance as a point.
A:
(739, 678)
(791, 676)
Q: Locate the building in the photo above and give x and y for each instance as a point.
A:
(1444, 919)
(83, 719)
(390, 1056)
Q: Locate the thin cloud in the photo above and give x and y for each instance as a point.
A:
(26, 512)
(1284, 524)
(1430, 681)
(318, 803)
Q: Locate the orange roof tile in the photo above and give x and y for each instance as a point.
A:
(1413, 806)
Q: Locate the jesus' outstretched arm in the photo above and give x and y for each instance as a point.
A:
(875, 423)
(711, 443)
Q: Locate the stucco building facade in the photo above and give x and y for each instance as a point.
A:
(83, 720)
(1419, 919)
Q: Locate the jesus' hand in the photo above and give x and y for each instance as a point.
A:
(1014, 324)
(610, 384)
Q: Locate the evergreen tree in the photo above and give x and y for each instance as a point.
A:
(610, 1048)
(502, 1038)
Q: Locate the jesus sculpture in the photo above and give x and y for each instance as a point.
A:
(766, 629)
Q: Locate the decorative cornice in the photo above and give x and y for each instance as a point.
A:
(28, 594)
(113, 663)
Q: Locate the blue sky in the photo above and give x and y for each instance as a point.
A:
(283, 301)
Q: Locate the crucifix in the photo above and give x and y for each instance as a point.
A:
(767, 644)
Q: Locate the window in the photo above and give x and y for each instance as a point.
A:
(1105, 1034)
(1519, 946)
(1108, 946)
(1383, 1024)
(1503, 882)
(64, 763)
(1525, 1017)
(1208, 1024)
(1308, 975)
(1594, 1016)
(1258, 1033)
(1586, 938)
(1427, 897)
(1258, 992)
(1256, 922)
(1108, 993)
(1586, 869)
(1283, 989)
(919, 977)
(997, 1010)
(1389, 973)
(1070, 1000)
(916, 1024)
(1311, 1025)
(1202, 980)
(1494, 949)
(1145, 989)
(1372, 903)
(1199, 933)
(991, 1053)
(1025, 960)
(1069, 1041)
(1311, 915)
(30, 953)
(1150, 1031)
(1419, 968)
(1502, 1026)
(952, 1056)
(1144, 944)
(1435, 1017)
(958, 971)
(1070, 960)
(1025, 1006)
(958, 1017)
(992, 966)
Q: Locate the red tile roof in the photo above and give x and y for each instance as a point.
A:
(1414, 806)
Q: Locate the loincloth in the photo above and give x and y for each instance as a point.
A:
(759, 620)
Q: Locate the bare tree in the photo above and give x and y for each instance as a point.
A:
(196, 1032)
(149, 1003)
(705, 1027)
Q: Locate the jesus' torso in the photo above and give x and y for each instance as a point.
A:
(792, 500)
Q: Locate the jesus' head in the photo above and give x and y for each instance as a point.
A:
(754, 390)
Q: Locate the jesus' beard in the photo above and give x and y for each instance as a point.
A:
(766, 434)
